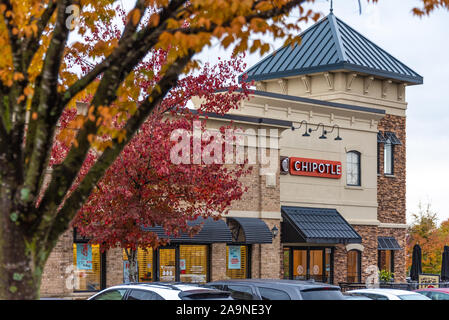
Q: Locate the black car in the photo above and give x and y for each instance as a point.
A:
(278, 289)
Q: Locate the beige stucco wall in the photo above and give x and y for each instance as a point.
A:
(358, 129)
(343, 87)
(358, 205)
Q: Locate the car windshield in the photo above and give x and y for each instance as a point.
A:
(322, 294)
(412, 297)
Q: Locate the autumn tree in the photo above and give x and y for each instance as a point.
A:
(38, 39)
(431, 237)
(143, 187)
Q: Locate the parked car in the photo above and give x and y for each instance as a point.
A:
(435, 293)
(355, 296)
(277, 289)
(389, 294)
(160, 291)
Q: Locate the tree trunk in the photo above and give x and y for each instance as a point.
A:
(21, 262)
(132, 259)
(22, 257)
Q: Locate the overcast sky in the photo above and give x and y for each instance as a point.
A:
(423, 45)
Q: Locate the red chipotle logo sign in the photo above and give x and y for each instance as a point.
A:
(311, 167)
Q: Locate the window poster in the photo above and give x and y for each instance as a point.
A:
(234, 258)
(182, 264)
(83, 256)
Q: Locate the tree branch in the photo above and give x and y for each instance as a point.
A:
(130, 46)
(74, 202)
(48, 102)
(32, 45)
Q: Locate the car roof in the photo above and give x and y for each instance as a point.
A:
(384, 291)
(168, 291)
(305, 284)
(160, 286)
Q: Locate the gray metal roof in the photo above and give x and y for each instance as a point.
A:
(387, 243)
(211, 232)
(329, 45)
(319, 225)
(255, 230)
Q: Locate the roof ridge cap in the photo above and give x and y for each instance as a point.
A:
(337, 37)
(384, 51)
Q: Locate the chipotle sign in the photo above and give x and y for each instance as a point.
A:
(311, 167)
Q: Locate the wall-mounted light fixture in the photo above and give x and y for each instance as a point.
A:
(338, 138)
(274, 231)
(306, 134)
(324, 132)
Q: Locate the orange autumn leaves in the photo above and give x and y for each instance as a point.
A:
(431, 237)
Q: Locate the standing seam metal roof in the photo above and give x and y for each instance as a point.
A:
(388, 243)
(329, 45)
(212, 231)
(320, 225)
(255, 230)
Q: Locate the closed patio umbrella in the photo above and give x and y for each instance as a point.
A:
(416, 263)
(445, 265)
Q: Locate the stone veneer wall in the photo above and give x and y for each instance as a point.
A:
(268, 267)
(57, 270)
(399, 255)
(369, 254)
(218, 261)
(391, 189)
(114, 267)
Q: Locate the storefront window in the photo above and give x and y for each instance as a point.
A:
(386, 260)
(236, 262)
(353, 266)
(193, 263)
(300, 264)
(309, 263)
(167, 265)
(87, 267)
(144, 265)
(316, 265)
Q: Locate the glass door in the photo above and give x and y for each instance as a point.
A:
(299, 264)
(303, 263)
(316, 265)
(167, 265)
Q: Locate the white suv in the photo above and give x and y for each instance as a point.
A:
(160, 291)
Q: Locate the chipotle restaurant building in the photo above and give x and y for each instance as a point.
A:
(331, 210)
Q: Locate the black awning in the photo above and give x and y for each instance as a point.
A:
(387, 243)
(392, 138)
(381, 138)
(316, 225)
(211, 232)
(250, 230)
